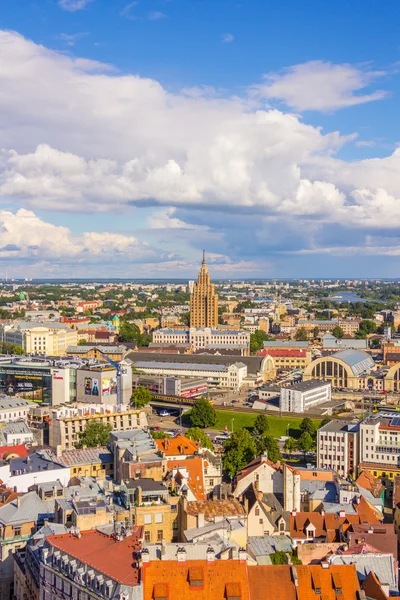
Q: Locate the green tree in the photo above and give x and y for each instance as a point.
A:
(307, 426)
(324, 422)
(203, 414)
(198, 435)
(141, 396)
(368, 326)
(261, 425)
(158, 434)
(268, 444)
(129, 332)
(305, 443)
(95, 434)
(257, 339)
(6, 348)
(315, 333)
(290, 445)
(301, 335)
(338, 332)
(239, 450)
(82, 342)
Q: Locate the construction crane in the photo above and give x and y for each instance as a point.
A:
(121, 370)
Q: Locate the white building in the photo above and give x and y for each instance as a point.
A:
(221, 375)
(305, 395)
(13, 409)
(337, 447)
(204, 337)
(22, 473)
(380, 445)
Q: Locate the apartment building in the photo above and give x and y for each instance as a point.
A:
(205, 337)
(288, 358)
(380, 446)
(50, 338)
(304, 395)
(337, 447)
(67, 422)
(13, 409)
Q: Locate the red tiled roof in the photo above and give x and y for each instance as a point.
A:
(103, 553)
(197, 579)
(19, 450)
(279, 582)
(194, 467)
(283, 353)
(254, 464)
(368, 482)
(178, 445)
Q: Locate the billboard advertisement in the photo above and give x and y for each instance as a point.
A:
(91, 386)
(108, 386)
(31, 384)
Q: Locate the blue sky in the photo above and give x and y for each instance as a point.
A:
(134, 134)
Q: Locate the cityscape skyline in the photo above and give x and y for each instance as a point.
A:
(134, 135)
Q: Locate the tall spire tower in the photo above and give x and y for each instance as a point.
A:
(203, 300)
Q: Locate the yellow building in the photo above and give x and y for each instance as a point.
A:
(51, 339)
(204, 300)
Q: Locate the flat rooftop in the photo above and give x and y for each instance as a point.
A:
(306, 386)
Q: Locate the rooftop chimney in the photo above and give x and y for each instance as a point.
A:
(145, 555)
(181, 554)
(163, 548)
(200, 520)
(242, 554)
(210, 554)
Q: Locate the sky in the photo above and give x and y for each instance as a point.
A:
(133, 135)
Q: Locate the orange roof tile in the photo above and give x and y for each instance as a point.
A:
(279, 581)
(179, 445)
(194, 467)
(103, 553)
(368, 482)
(177, 581)
(372, 587)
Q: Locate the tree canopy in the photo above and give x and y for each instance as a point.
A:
(198, 435)
(257, 339)
(203, 414)
(261, 425)
(239, 450)
(301, 335)
(305, 442)
(268, 444)
(141, 396)
(308, 426)
(95, 434)
(338, 332)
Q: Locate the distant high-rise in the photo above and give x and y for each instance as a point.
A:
(203, 300)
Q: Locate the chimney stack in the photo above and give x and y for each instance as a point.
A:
(210, 554)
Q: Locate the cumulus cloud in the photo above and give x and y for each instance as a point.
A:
(89, 139)
(156, 15)
(73, 5)
(323, 86)
(24, 235)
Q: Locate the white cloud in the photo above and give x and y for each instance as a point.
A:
(127, 10)
(24, 235)
(73, 5)
(156, 15)
(227, 38)
(323, 86)
(89, 139)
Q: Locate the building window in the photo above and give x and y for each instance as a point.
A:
(159, 535)
(17, 531)
(147, 519)
(147, 536)
(158, 518)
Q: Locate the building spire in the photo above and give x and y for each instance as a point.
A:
(204, 258)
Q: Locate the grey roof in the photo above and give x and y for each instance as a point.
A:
(39, 461)
(226, 524)
(104, 349)
(381, 564)
(147, 485)
(193, 551)
(321, 490)
(335, 508)
(357, 360)
(84, 456)
(153, 364)
(253, 363)
(28, 507)
(337, 425)
(305, 386)
(329, 341)
(264, 545)
(7, 402)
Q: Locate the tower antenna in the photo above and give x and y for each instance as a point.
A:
(204, 257)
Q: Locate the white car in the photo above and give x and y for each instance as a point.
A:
(165, 413)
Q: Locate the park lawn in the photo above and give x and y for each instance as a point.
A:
(278, 426)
